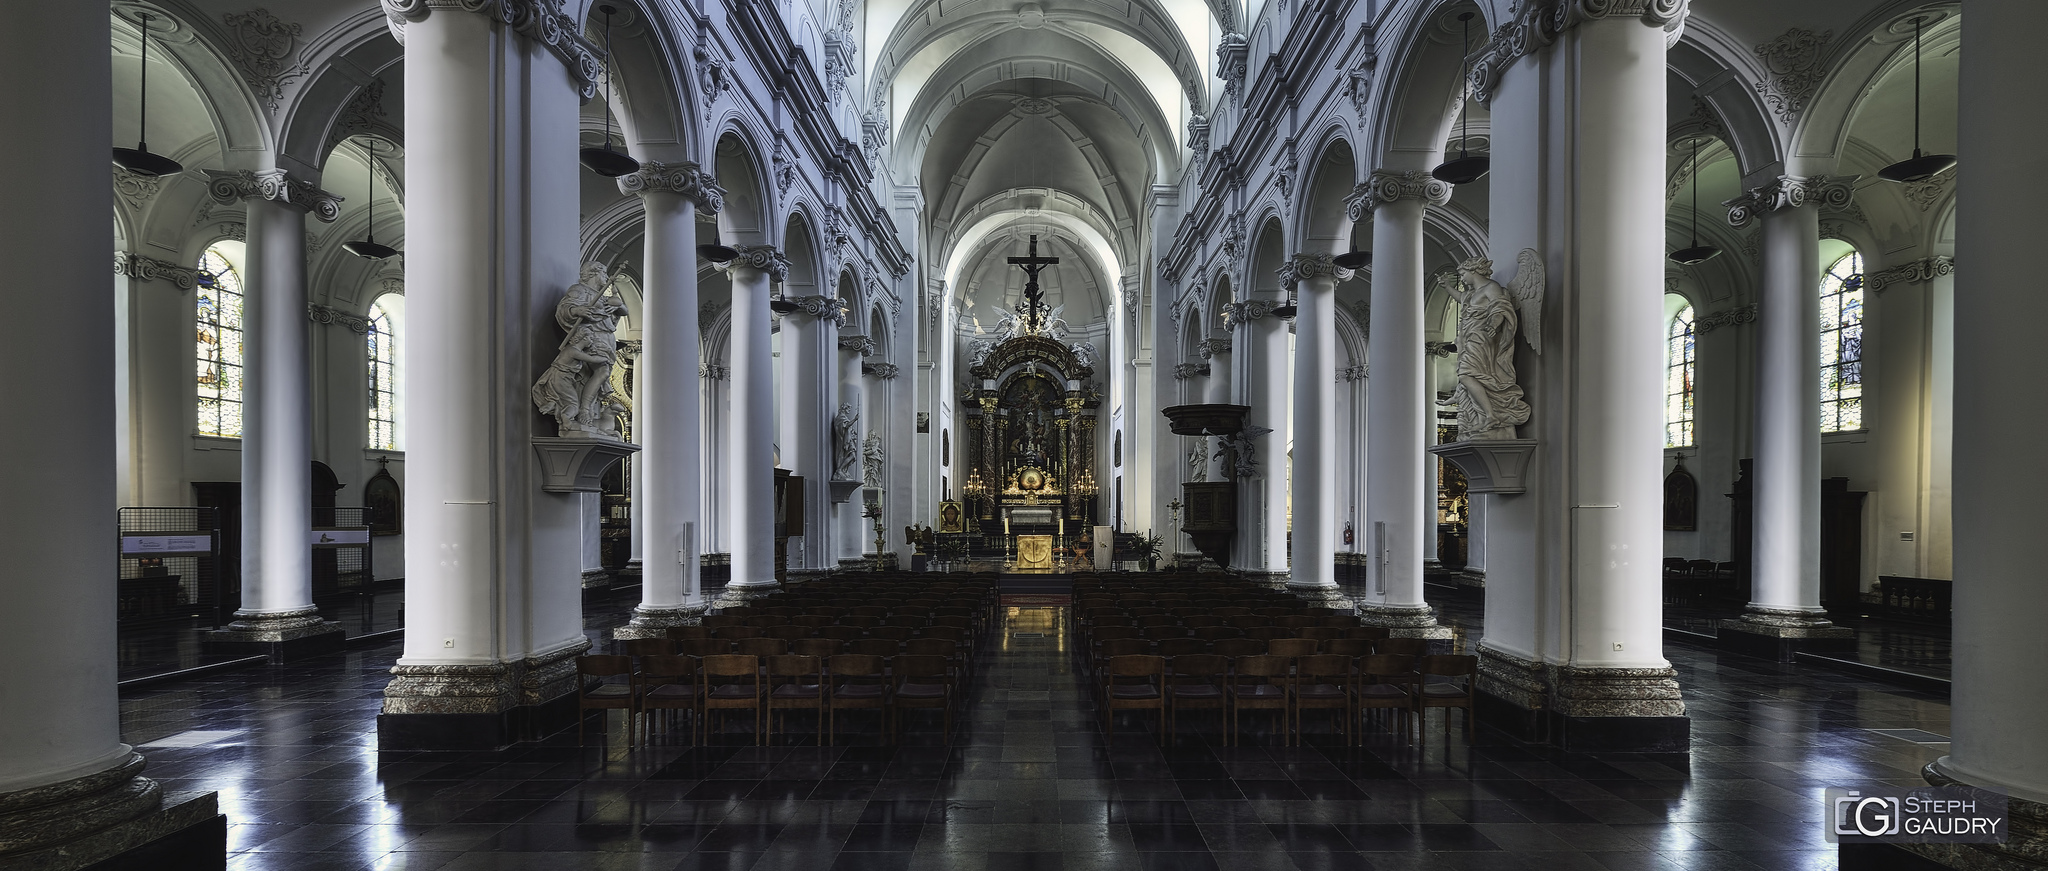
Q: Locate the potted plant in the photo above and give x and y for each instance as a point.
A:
(951, 549)
(1147, 548)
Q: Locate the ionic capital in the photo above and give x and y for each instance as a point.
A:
(142, 268)
(1387, 186)
(324, 314)
(762, 258)
(1310, 265)
(861, 345)
(883, 371)
(1791, 192)
(1209, 348)
(539, 20)
(1539, 22)
(1185, 371)
(276, 186)
(684, 178)
(1920, 271)
(824, 308)
(1249, 310)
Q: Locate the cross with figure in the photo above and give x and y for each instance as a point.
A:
(1033, 308)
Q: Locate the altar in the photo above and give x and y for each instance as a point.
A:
(1031, 519)
(1034, 552)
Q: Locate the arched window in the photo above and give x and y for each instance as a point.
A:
(1678, 374)
(1841, 345)
(219, 333)
(382, 342)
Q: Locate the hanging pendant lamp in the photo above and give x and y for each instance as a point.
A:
(1919, 167)
(1465, 168)
(1354, 259)
(604, 161)
(717, 252)
(368, 248)
(1696, 253)
(139, 160)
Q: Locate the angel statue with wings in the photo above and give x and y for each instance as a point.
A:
(1489, 401)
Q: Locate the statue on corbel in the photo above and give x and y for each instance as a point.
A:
(1488, 399)
(576, 390)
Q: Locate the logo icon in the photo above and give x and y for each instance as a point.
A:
(1872, 816)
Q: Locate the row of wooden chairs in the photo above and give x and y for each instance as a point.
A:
(697, 687)
(1347, 686)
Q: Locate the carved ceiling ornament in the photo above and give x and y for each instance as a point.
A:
(1319, 264)
(1198, 140)
(274, 185)
(1232, 54)
(714, 77)
(142, 268)
(262, 47)
(136, 190)
(1790, 192)
(364, 113)
(1792, 71)
(542, 21)
(764, 258)
(1358, 79)
(685, 178)
(1925, 193)
(1920, 271)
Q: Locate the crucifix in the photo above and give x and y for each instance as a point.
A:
(1033, 308)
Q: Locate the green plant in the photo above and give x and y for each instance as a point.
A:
(1147, 546)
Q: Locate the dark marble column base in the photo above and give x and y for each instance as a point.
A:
(1782, 636)
(1582, 710)
(284, 637)
(484, 706)
(99, 820)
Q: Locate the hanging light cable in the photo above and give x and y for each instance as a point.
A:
(139, 160)
(604, 161)
(1919, 167)
(368, 248)
(1696, 253)
(1467, 168)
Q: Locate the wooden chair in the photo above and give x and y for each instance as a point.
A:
(704, 647)
(1181, 646)
(881, 647)
(956, 662)
(669, 683)
(847, 634)
(732, 682)
(715, 622)
(922, 682)
(1402, 646)
(1387, 681)
(1218, 633)
(1259, 683)
(603, 696)
(735, 633)
(1198, 683)
(794, 683)
(1267, 633)
(893, 633)
(1291, 647)
(1234, 648)
(1323, 681)
(762, 647)
(1447, 694)
(1368, 633)
(863, 621)
(856, 683)
(821, 648)
(791, 632)
(813, 621)
(638, 647)
(1133, 682)
(686, 633)
(1352, 647)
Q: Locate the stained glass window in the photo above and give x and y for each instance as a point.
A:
(1841, 345)
(383, 384)
(219, 348)
(1678, 373)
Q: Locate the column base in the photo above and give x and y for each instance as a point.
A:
(1326, 595)
(281, 635)
(805, 576)
(2025, 849)
(1269, 580)
(1582, 710)
(113, 818)
(854, 563)
(596, 579)
(1473, 578)
(486, 706)
(736, 595)
(654, 622)
(631, 572)
(1780, 634)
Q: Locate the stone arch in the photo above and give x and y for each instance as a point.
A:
(1419, 102)
(343, 98)
(1862, 57)
(738, 168)
(1323, 222)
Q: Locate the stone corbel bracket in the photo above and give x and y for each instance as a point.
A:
(577, 465)
(842, 491)
(1491, 466)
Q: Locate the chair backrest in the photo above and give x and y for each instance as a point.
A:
(730, 665)
(736, 633)
(1218, 633)
(870, 611)
(1291, 646)
(1136, 665)
(686, 633)
(1236, 647)
(704, 646)
(1407, 646)
(1112, 633)
(1168, 630)
(649, 646)
(1448, 665)
(1150, 620)
(604, 665)
(948, 633)
(1261, 665)
(763, 646)
(1368, 633)
(766, 621)
(1334, 668)
(1295, 622)
(918, 666)
(791, 632)
(1199, 665)
(820, 647)
(667, 665)
(1385, 665)
(875, 647)
(1181, 646)
(929, 647)
(893, 633)
(1348, 647)
(1124, 647)
(855, 665)
(1319, 633)
(792, 665)
(842, 633)
(1267, 633)
(814, 621)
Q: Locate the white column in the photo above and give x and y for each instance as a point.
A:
(1262, 497)
(751, 437)
(1216, 350)
(848, 532)
(1396, 527)
(57, 584)
(809, 446)
(1784, 597)
(2001, 695)
(667, 419)
(1313, 280)
(277, 413)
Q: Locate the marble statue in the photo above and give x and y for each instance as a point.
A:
(1006, 327)
(1241, 448)
(872, 459)
(978, 352)
(1198, 460)
(576, 389)
(1084, 353)
(1489, 401)
(845, 446)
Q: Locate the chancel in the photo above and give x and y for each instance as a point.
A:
(1372, 434)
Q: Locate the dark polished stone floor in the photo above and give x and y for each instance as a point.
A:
(1027, 783)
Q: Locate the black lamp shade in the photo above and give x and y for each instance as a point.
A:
(1695, 255)
(782, 306)
(1462, 170)
(1286, 312)
(1353, 260)
(608, 163)
(717, 253)
(140, 161)
(369, 249)
(1919, 167)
